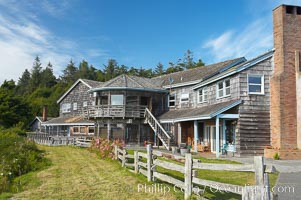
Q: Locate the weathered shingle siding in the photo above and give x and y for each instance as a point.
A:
(253, 128)
(79, 94)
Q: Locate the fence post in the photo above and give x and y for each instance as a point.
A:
(123, 158)
(136, 159)
(115, 152)
(188, 175)
(259, 170)
(149, 163)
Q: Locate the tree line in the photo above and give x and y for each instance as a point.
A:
(21, 101)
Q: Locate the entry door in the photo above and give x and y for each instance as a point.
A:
(210, 137)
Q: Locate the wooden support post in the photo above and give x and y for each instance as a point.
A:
(267, 186)
(149, 162)
(188, 176)
(123, 158)
(116, 152)
(259, 169)
(136, 160)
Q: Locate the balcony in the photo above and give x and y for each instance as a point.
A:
(120, 111)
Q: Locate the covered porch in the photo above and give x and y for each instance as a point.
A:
(197, 127)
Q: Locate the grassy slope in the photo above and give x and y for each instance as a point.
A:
(78, 174)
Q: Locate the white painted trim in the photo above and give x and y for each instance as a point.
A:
(243, 67)
(69, 124)
(262, 84)
(181, 84)
(229, 116)
(71, 88)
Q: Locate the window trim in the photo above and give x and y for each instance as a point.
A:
(204, 91)
(172, 94)
(117, 95)
(223, 89)
(85, 104)
(74, 106)
(66, 107)
(261, 85)
(186, 101)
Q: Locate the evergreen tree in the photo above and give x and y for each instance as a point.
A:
(159, 69)
(36, 74)
(110, 69)
(24, 83)
(48, 78)
(70, 73)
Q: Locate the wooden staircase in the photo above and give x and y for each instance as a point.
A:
(166, 139)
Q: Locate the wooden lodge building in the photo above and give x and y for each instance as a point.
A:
(249, 105)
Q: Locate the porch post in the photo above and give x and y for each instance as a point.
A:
(217, 136)
(179, 133)
(109, 129)
(196, 131)
(224, 131)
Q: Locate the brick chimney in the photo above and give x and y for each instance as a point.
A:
(284, 82)
(45, 113)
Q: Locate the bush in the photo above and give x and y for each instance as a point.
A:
(276, 156)
(104, 147)
(18, 156)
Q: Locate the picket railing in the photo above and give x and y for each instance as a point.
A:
(192, 182)
(46, 139)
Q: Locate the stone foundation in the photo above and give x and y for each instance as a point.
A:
(288, 154)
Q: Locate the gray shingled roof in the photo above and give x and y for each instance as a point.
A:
(130, 82)
(92, 83)
(203, 112)
(68, 120)
(198, 73)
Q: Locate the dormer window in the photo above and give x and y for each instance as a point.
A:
(202, 95)
(223, 89)
(255, 84)
(185, 97)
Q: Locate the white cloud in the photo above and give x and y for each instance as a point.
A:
(254, 39)
(22, 38)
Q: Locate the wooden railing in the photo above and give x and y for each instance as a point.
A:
(124, 111)
(157, 128)
(192, 182)
(46, 139)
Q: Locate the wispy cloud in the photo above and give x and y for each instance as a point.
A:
(254, 39)
(23, 37)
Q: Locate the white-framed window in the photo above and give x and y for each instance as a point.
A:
(172, 100)
(203, 95)
(185, 97)
(91, 130)
(117, 99)
(66, 107)
(223, 88)
(75, 106)
(255, 84)
(85, 103)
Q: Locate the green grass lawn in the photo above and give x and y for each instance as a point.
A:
(76, 173)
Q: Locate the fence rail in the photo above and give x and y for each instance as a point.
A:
(191, 181)
(46, 139)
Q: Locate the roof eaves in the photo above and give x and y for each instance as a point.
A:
(225, 108)
(243, 66)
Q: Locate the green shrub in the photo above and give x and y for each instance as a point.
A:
(18, 156)
(276, 156)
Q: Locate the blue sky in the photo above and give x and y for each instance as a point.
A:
(137, 33)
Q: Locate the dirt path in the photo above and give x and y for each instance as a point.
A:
(78, 174)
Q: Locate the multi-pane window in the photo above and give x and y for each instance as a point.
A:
(75, 106)
(117, 99)
(256, 84)
(172, 100)
(66, 107)
(203, 95)
(185, 97)
(85, 104)
(223, 88)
